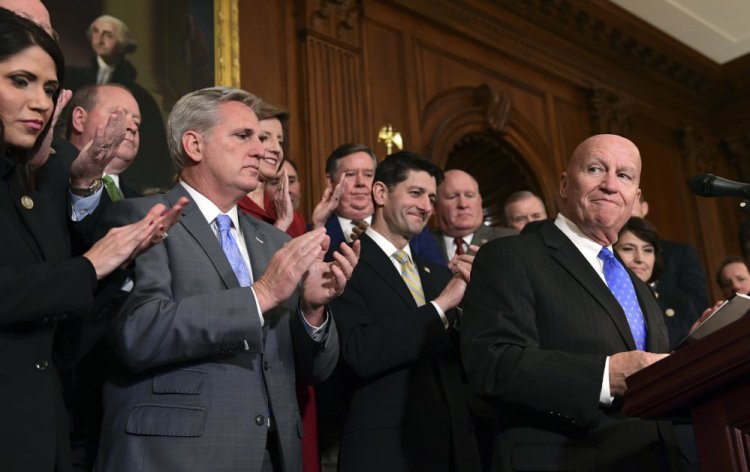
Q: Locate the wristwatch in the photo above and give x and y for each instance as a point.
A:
(85, 191)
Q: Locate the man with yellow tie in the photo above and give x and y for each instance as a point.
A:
(396, 319)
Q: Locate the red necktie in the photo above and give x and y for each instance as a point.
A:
(459, 242)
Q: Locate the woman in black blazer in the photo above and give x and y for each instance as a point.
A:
(40, 282)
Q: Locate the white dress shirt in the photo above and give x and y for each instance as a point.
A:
(210, 212)
(450, 245)
(347, 227)
(590, 251)
(389, 248)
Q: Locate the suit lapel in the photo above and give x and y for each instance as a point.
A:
(481, 236)
(567, 255)
(440, 238)
(430, 285)
(37, 219)
(381, 265)
(255, 241)
(652, 314)
(195, 223)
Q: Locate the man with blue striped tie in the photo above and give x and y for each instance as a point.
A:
(396, 322)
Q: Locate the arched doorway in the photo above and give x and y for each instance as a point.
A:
(475, 129)
(497, 166)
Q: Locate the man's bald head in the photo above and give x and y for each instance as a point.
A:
(33, 10)
(459, 204)
(600, 186)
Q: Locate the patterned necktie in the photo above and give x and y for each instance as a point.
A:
(410, 276)
(229, 245)
(459, 242)
(621, 286)
(112, 190)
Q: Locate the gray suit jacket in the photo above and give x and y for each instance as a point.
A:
(482, 235)
(197, 375)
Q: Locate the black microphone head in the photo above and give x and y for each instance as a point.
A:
(709, 185)
(701, 184)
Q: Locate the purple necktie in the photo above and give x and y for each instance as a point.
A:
(229, 245)
(621, 286)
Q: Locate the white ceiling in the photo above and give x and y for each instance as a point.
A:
(718, 29)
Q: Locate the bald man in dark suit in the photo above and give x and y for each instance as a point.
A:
(553, 324)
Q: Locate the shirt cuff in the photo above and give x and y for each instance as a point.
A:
(257, 307)
(317, 333)
(441, 313)
(604, 396)
(81, 207)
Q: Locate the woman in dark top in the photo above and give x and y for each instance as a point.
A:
(40, 282)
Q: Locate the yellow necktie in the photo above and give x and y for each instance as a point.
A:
(410, 276)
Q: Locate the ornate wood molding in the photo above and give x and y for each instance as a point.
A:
(698, 151)
(462, 114)
(339, 19)
(737, 149)
(610, 113)
(597, 28)
(588, 27)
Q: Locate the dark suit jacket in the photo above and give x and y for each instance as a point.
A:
(482, 235)
(424, 245)
(682, 288)
(407, 408)
(40, 284)
(197, 374)
(537, 326)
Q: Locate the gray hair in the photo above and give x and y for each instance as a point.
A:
(127, 43)
(199, 111)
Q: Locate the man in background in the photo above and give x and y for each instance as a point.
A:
(355, 164)
(460, 217)
(111, 41)
(90, 109)
(521, 208)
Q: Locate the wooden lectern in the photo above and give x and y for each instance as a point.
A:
(710, 380)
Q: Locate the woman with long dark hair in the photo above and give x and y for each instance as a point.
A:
(40, 282)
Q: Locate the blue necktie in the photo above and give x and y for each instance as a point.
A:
(621, 286)
(229, 245)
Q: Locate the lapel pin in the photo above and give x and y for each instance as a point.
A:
(27, 202)
(427, 269)
(259, 240)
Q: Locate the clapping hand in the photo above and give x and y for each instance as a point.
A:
(94, 157)
(328, 203)
(121, 245)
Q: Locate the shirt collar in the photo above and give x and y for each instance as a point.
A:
(588, 247)
(388, 247)
(103, 65)
(207, 207)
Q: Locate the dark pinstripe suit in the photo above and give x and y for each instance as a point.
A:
(538, 324)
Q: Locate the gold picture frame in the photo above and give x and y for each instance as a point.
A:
(226, 43)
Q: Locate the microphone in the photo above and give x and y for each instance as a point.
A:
(709, 185)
